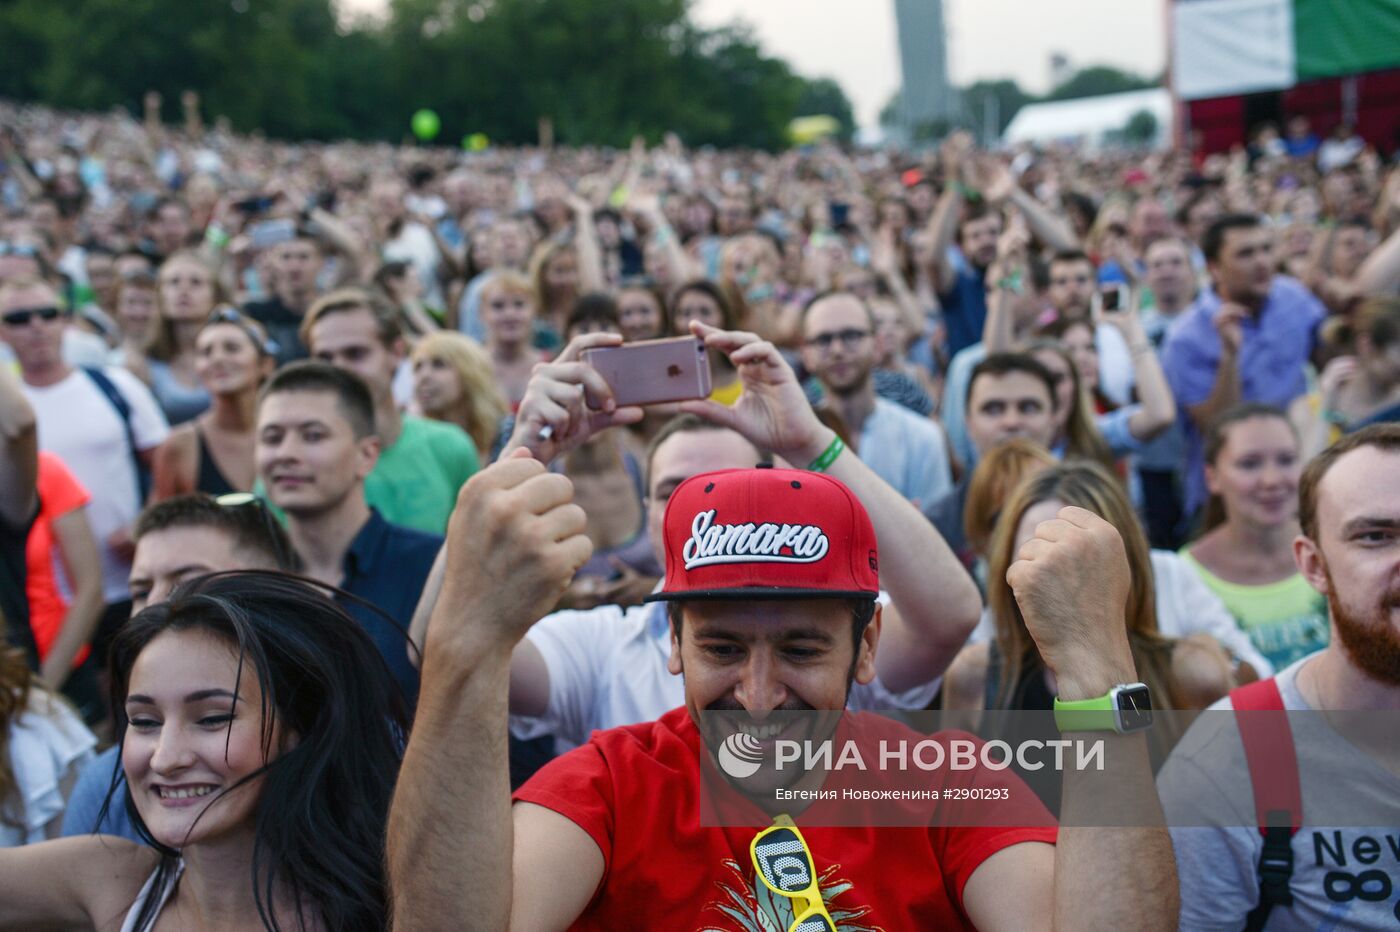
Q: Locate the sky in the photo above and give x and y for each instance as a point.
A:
(853, 41)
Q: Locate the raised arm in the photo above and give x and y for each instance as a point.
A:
(999, 187)
(999, 327)
(71, 883)
(82, 565)
(1158, 409)
(937, 602)
(884, 262)
(590, 253)
(12, 156)
(574, 402)
(19, 453)
(648, 207)
(1226, 390)
(1380, 273)
(514, 541)
(1071, 583)
(943, 222)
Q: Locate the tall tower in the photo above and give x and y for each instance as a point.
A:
(925, 94)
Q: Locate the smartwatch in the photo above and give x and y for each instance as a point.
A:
(1125, 708)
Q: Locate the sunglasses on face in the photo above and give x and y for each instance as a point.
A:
(783, 863)
(23, 252)
(22, 316)
(849, 338)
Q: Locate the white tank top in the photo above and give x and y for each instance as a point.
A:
(129, 925)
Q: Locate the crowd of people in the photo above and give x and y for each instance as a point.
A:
(339, 589)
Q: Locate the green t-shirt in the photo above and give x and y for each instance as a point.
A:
(416, 481)
(1285, 621)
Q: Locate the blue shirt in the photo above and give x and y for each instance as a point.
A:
(387, 566)
(907, 451)
(89, 793)
(1383, 416)
(1275, 347)
(953, 412)
(964, 305)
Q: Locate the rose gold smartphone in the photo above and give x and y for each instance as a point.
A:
(652, 371)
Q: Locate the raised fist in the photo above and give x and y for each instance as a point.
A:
(514, 542)
(1071, 582)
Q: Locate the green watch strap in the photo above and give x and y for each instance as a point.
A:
(1096, 714)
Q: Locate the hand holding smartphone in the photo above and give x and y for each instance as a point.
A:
(653, 371)
(1113, 297)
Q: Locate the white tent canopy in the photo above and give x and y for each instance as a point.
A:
(1087, 119)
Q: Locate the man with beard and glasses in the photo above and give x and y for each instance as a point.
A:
(1310, 872)
(771, 581)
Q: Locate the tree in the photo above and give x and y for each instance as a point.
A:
(1006, 98)
(1097, 80)
(1140, 129)
(824, 96)
(602, 72)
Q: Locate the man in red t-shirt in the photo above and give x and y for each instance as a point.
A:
(772, 579)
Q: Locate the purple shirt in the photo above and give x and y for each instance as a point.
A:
(1276, 345)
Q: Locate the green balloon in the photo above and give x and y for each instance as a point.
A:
(426, 125)
(476, 142)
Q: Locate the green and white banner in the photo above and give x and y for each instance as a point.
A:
(1227, 47)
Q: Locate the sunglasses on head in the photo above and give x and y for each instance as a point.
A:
(783, 863)
(227, 315)
(275, 535)
(22, 316)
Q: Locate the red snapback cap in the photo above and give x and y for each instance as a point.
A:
(767, 533)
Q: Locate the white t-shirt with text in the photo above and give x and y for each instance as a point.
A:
(1344, 877)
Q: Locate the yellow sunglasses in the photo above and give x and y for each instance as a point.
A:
(783, 862)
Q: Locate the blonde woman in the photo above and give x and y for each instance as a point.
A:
(554, 274)
(509, 308)
(453, 381)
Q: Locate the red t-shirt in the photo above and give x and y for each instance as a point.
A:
(637, 791)
(59, 494)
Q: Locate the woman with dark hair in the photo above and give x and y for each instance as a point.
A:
(214, 452)
(260, 733)
(641, 312)
(1245, 551)
(704, 301)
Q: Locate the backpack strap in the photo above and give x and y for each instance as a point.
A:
(118, 401)
(993, 680)
(1278, 798)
